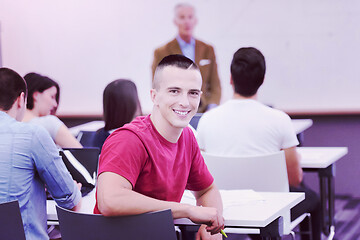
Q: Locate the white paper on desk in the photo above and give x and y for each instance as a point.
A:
(240, 197)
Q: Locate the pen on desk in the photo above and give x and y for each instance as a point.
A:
(223, 233)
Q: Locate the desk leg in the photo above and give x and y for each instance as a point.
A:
(274, 230)
(300, 137)
(327, 191)
(188, 232)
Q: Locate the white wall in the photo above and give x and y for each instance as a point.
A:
(311, 47)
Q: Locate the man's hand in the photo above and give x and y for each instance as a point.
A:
(202, 234)
(78, 206)
(79, 185)
(209, 216)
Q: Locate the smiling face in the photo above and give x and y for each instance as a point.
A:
(176, 98)
(45, 102)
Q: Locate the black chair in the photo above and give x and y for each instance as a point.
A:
(155, 225)
(86, 138)
(11, 225)
(82, 164)
(195, 120)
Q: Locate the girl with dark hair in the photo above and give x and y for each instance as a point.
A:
(42, 101)
(120, 105)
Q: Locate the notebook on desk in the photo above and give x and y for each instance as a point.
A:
(82, 163)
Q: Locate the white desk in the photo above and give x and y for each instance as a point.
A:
(87, 206)
(320, 157)
(241, 208)
(300, 125)
(322, 160)
(89, 126)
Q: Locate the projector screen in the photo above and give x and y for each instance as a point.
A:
(311, 47)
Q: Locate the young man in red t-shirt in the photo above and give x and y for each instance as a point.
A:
(147, 164)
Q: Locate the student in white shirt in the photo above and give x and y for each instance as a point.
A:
(243, 126)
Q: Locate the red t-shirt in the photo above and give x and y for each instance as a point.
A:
(154, 166)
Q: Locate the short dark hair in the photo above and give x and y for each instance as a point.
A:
(120, 103)
(39, 83)
(247, 71)
(176, 60)
(11, 86)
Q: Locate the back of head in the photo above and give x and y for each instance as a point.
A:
(175, 60)
(11, 86)
(39, 83)
(120, 103)
(247, 71)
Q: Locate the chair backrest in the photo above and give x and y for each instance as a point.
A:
(85, 159)
(11, 225)
(195, 120)
(260, 173)
(154, 225)
(265, 173)
(86, 138)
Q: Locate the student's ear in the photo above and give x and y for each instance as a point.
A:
(20, 105)
(231, 81)
(153, 94)
(35, 96)
(21, 101)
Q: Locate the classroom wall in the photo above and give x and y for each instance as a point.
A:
(311, 47)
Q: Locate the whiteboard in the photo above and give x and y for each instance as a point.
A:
(311, 47)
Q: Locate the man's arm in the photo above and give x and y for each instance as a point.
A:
(53, 172)
(210, 197)
(116, 197)
(214, 81)
(295, 173)
(65, 139)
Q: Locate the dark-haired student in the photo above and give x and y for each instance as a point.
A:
(42, 100)
(29, 161)
(147, 164)
(243, 126)
(120, 105)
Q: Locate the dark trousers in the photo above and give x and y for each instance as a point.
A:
(311, 204)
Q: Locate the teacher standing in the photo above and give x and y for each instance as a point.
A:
(201, 53)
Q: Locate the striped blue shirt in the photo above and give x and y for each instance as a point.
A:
(29, 160)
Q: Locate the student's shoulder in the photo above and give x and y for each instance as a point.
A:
(166, 47)
(35, 130)
(277, 113)
(203, 43)
(138, 126)
(47, 121)
(51, 119)
(217, 111)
